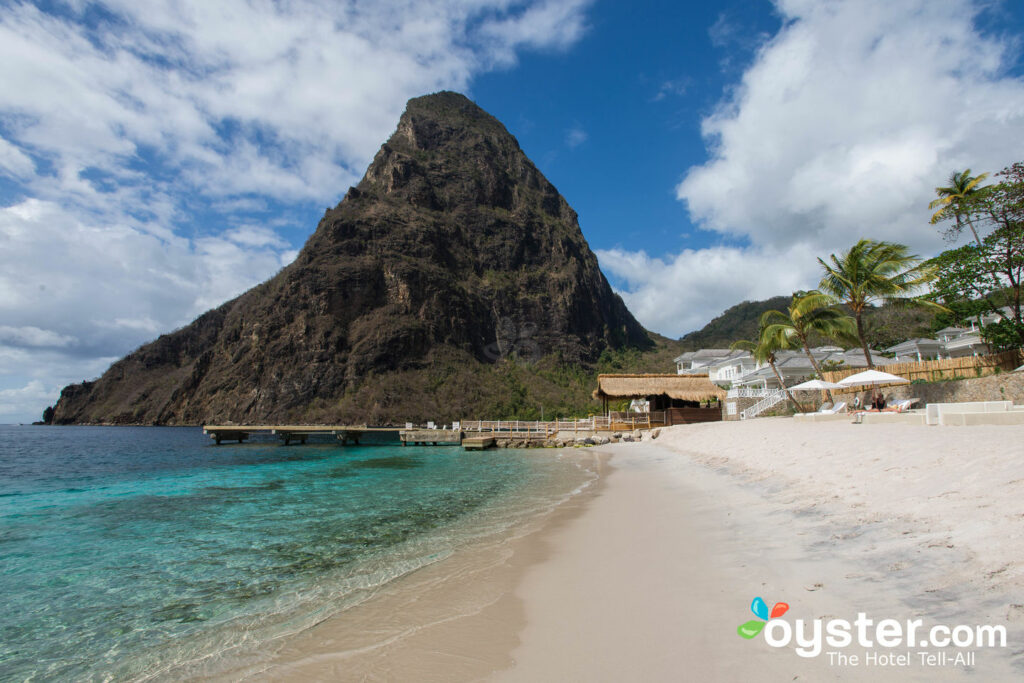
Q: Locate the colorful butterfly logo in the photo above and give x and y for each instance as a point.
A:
(760, 610)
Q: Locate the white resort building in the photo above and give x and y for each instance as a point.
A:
(950, 342)
(739, 369)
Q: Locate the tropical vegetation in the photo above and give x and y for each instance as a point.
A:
(809, 313)
(873, 272)
(883, 286)
(763, 351)
(987, 276)
(953, 199)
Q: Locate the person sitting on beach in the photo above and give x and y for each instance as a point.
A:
(878, 403)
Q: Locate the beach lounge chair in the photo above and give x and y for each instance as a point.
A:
(897, 412)
(838, 411)
(834, 410)
(902, 405)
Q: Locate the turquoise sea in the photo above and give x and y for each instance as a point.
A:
(129, 553)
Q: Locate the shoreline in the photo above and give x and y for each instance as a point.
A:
(455, 620)
(646, 575)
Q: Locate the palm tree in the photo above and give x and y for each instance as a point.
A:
(873, 271)
(763, 351)
(951, 198)
(810, 313)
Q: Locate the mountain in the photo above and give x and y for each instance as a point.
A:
(737, 322)
(885, 325)
(452, 281)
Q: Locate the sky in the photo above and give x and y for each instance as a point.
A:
(158, 158)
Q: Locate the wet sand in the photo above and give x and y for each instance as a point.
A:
(455, 620)
(647, 575)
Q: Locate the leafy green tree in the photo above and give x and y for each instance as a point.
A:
(809, 313)
(891, 324)
(952, 198)
(1004, 335)
(872, 271)
(990, 275)
(965, 281)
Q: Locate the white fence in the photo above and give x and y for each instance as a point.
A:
(749, 392)
(594, 423)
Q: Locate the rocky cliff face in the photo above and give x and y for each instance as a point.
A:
(453, 250)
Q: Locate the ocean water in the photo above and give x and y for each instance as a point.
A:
(133, 553)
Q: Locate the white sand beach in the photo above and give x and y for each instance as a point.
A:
(648, 577)
(899, 522)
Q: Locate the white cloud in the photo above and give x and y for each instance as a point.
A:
(840, 129)
(286, 100)
(14, 162)
(255, 236)
(575, 136)
(101, 273)
(676, 294)
(33, 336)
(106, 288)
(125, 134)
(673, 88)
(554, 24)
(12, 401)
(849, 118)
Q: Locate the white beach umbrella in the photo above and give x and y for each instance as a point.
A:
(816, 385)
(872, 377)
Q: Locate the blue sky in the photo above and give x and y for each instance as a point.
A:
(615, 121)
(158, 158)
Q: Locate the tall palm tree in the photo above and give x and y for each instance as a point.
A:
(962, 186)
(809, 313)
(763, 351)
(873, 271)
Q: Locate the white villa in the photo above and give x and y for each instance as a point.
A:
(949, 342)
(697, 362)
(739, 369)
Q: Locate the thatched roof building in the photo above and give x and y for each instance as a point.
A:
(680, 387)
(672, 399)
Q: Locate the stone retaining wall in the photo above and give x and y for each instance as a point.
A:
(1007, 386)
(596, 439)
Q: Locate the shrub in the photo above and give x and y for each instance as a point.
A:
(1004, 335)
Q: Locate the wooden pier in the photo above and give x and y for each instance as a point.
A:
(296, 433)
(470, 434)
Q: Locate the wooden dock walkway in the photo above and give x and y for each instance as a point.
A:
(468, 433)
(346, 434)
(299, 433)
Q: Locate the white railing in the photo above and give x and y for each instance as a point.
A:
(777, 396)
(749, 392)
(506, 426)
(594, 423)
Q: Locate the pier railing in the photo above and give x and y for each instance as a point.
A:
(433, 433)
